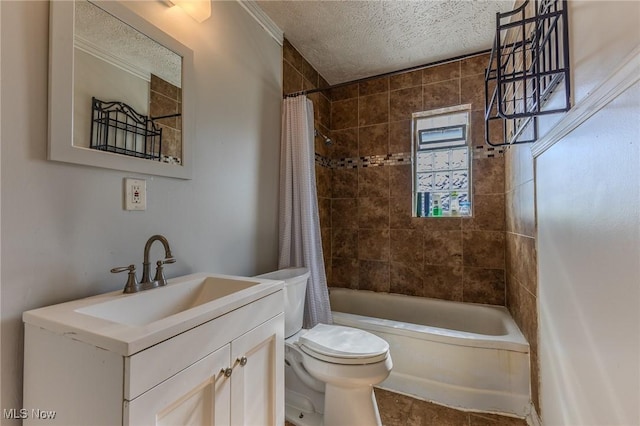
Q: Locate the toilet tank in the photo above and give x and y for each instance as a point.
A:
(295, 289)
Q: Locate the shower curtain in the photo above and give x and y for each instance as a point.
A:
(299, 228)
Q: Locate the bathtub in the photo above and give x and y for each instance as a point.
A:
(468, 356)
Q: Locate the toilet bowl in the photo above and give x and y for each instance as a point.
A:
(330, 370)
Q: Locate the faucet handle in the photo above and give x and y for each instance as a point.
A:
(160, 278)
(132, 285)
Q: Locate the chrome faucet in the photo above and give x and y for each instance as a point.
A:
(159, 280)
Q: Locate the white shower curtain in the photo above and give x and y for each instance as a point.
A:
(300, 242)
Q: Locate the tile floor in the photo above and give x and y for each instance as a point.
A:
(401, 410)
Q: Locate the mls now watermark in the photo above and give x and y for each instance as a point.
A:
(24, 413)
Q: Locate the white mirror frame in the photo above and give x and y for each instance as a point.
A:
(61, 51)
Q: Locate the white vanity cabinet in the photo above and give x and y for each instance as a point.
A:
(235, 385)
(199, 395)
(226, 371)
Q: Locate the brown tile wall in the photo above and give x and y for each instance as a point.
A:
(166, 99)
(298, 75)
(521, 254)
(370, 241)
(375, 243)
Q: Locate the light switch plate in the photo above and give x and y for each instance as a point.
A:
(135, 194)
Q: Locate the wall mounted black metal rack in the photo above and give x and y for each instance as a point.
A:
(116, 127)
(529, 61)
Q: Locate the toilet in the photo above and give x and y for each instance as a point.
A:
(330, 370)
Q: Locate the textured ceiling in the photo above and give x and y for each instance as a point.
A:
(107, 36)
(348, 40)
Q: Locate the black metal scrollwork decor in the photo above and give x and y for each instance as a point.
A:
(116, 127)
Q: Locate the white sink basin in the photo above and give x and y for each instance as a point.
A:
(129, 323)
(152, 305)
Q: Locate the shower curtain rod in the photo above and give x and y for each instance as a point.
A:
(387, 74)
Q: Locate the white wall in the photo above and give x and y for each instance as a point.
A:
(588, 204)
(63, 227)
(94, 77)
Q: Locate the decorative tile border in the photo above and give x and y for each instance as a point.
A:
(386, 160)
(171, 160)
(368, 161)
(484, 151)
(345, 163)
(397, 159)
(323, 161)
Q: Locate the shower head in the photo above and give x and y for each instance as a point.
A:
(327, 140)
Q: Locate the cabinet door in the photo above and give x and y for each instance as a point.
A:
(257, 383)
(198, 395)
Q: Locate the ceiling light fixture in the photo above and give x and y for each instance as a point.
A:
(200, 10)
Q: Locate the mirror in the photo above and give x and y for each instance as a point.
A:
(119, 91)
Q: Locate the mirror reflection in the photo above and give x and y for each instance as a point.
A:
(127, 89)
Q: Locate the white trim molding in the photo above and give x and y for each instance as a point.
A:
(623, 77)
(93, 49)
(263, 19)
(533, 418)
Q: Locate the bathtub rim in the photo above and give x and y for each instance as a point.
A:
(514, 340)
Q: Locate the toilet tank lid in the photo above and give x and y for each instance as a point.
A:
(285, 274)
(343, 342)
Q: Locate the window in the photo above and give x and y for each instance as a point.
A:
(441, 162)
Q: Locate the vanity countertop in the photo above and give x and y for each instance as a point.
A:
(129, 323)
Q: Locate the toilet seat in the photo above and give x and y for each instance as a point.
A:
(343, 345)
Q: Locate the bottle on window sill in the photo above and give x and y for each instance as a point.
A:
(454, 204)
(437, 206)
(465, 208)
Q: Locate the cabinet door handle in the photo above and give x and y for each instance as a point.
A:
(226, 371)
(242, 361)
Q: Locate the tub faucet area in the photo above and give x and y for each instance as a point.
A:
(159, 280)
